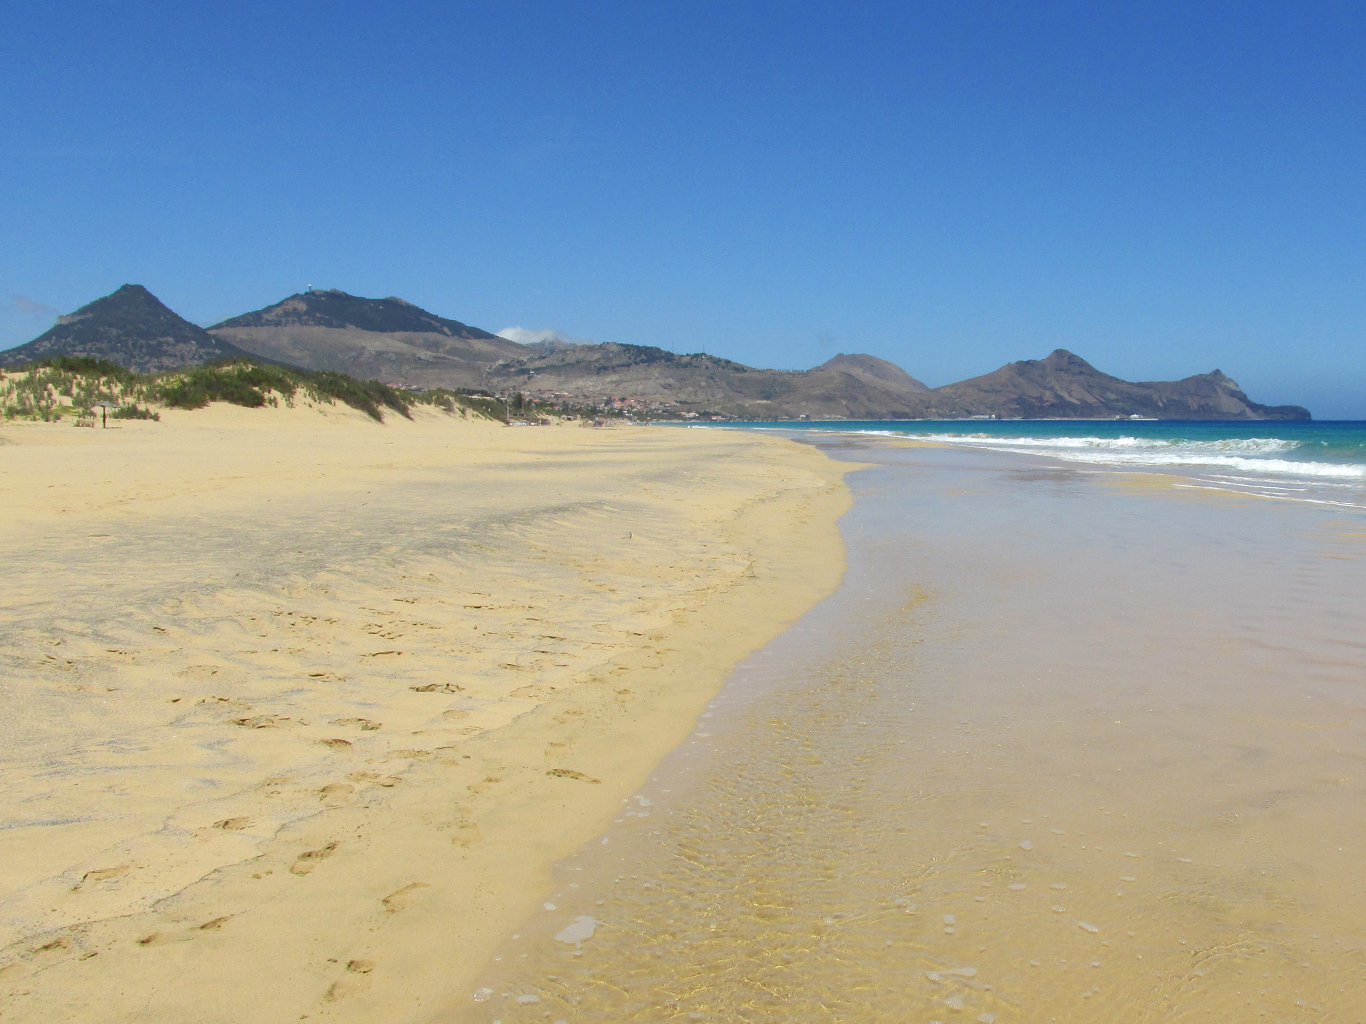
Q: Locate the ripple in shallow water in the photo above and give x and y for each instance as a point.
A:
(828, 859)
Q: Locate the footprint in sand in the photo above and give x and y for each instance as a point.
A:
(185, 935)
(233, 702)
(404, 898)
(260, 722)
(468, 835)
(336, 744)
(532, 692)
(480, 787)
(310, 859)
(569, 773)
(365, 723)
(353, 981)
(233, 824)
(101, 875)
(378, 780)
(199, 672)
(51, 950)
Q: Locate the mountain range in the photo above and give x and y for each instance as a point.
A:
(399, 343)
(381, 339)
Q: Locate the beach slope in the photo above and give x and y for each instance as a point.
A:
(300, 708)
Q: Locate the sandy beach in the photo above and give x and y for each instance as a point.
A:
(299, 709)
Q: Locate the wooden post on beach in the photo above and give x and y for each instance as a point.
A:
(104, 408)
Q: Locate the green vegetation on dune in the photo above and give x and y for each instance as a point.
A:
(89, 366)
(81, 380)
(72, 385)
(486, 405)
(251, 384)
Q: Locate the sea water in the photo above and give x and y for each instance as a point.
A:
(1068, 744)
(1322, 461)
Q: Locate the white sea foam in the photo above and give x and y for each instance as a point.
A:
(1252, 455)
(580, 930)
(1241, 445)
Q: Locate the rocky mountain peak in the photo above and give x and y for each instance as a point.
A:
(1062, 361)
(334, 308)
(874, 370)
(131, 327)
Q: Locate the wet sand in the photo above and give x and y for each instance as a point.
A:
(299, 709)
(1065, 746)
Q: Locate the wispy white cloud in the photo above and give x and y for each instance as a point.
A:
(523, 336)
(23, 304)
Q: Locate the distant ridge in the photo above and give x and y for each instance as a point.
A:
(878, 371)
(332, 307)
(385, 339)
(130, 327)
(702, 383)
(1065, 386)
(861, 386)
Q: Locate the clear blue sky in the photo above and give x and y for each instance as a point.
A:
(1161, 187)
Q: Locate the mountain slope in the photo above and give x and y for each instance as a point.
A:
(864, 387)
(130, 327)
(706, 383)
(876, 371)
(384, 339)
(1066, 386)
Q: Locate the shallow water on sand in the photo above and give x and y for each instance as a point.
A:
(1066, 745)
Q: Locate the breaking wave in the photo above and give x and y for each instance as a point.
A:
(1257, 455)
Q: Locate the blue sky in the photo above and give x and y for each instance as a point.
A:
(1162, 188)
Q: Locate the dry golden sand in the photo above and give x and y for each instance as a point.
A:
(298, 708)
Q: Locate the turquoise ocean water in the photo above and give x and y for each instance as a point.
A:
(1322, 462)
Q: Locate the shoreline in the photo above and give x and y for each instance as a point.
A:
(337, 870)
(1056, 738)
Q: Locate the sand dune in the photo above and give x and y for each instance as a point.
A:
(299, 708)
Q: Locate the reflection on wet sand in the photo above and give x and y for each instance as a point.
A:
(1061, 748)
